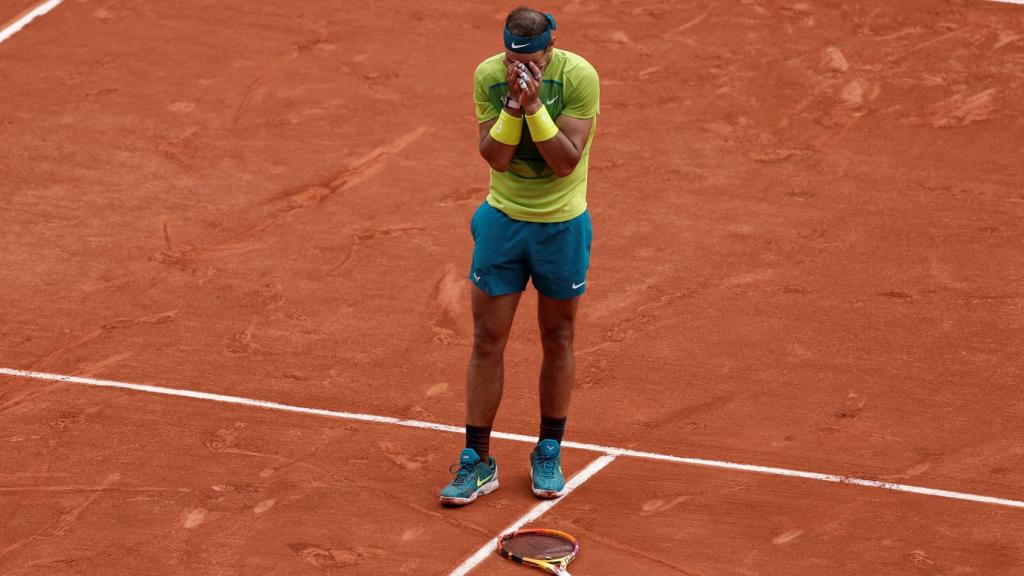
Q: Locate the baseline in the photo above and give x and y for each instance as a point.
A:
(608, 450)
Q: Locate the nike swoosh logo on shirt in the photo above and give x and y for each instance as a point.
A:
(575, 285)
(552, 101)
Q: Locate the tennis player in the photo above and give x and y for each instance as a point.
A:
(537, 110)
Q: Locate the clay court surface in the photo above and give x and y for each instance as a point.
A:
(808, 255)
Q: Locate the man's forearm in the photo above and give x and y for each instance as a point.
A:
(498, 154)
(558, 151)
(560, 154)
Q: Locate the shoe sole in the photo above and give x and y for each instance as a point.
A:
(545, 494)
(485, 489)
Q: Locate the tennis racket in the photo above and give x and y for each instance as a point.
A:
(548, 550)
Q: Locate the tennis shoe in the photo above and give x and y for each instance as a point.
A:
(546, 469)
(472, 478)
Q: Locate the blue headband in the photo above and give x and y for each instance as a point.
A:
(530, 44)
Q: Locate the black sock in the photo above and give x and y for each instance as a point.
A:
(553, 428)
(479, 438)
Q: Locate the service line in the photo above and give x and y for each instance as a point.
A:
(27, 17)
(608, 450)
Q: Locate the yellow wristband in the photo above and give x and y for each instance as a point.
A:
(542, 127)
(508, 129)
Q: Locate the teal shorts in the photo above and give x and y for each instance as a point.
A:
(507, 253)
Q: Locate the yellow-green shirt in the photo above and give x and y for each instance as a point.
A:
(529, 190)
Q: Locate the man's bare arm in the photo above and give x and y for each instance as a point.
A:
(563, 152)
(498, 155)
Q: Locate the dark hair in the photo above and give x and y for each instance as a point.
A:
(526, 22)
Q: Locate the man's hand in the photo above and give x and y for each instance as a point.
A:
(524, 84)
(529, 96)
(514, 74)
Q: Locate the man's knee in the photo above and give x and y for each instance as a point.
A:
(487, 341)
(557, 340)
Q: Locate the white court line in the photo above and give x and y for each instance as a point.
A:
(28, 17)
(486, 550)
(753, 468)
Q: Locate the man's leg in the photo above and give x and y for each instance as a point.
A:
(557, 320)
(485, 376)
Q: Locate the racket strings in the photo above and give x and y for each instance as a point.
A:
(539, 546)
